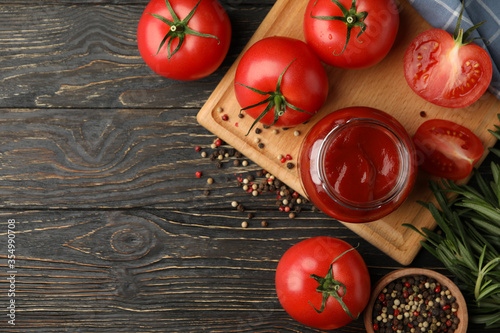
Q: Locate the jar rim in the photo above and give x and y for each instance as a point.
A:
(404, 158)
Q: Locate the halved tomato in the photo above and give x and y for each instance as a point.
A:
(447, 149)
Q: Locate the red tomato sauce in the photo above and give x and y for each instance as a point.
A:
(357, 164)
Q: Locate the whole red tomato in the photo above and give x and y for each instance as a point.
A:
(323, 282)
(280, 81)
(351, 34)
(446, 149)
(184, 39)
(447, 70)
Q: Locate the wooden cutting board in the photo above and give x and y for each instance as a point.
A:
(383, 87)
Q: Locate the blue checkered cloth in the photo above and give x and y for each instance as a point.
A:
(443, 14)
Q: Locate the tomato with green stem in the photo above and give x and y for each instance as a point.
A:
(446, 149)
(351, 34)
(323, 282)
(280, 81)
(449, 71)
(184, 39)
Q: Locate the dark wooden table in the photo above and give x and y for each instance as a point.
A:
(113, 231)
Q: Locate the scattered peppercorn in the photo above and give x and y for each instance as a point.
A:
(266, 183)
(225, 117)
(261, 145)
(258, 131)
(290, 165)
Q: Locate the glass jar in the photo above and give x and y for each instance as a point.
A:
(357, 164)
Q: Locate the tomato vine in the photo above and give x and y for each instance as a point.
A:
(350, 17)
(178, 29)
(276, 99)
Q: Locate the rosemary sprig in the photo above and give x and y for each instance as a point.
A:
(467, 239)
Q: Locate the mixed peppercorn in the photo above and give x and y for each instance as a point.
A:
(415, 304)
(254, 182)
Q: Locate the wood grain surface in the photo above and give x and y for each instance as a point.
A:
(113, 231)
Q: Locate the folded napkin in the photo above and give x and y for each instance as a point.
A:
(443, 14)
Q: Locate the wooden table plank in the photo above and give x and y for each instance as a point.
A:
(136, 270)
(86, 56)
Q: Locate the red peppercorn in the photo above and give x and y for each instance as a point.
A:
(287, 209)
(283, 160)
(295, 195)
(448, 323)
(396, 312)
(225, 117)
(405, 294)
(375, 327)
(407, 284)
(218, 142)
(446, 307)
(415, 313)
(437, 289)
(288, 157)
(197, 148)
(381, 297)
(198, 174)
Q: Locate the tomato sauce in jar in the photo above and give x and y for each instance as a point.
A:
(357, 164)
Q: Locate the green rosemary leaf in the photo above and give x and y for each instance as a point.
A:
(483, 209)
(487, 225)
(496, 151)
(495, 184)
(490, 194)
(434, 237)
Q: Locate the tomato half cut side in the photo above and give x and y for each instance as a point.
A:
(448, 70)
(446, 149)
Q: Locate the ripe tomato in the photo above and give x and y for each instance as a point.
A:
(351, 34)
(184, 39)
(446, 149)
(280, 81)
(303, 292)
(447, 70)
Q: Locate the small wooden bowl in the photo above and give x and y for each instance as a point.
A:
(443, 280)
